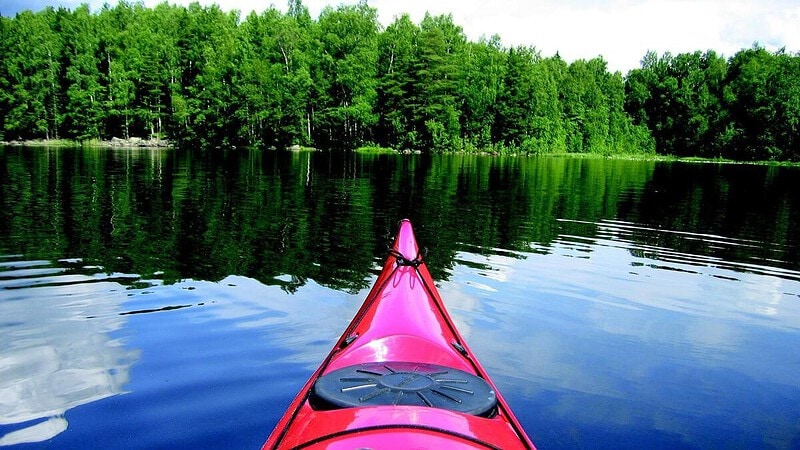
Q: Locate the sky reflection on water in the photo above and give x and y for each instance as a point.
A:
(615, 343)
(204, 351)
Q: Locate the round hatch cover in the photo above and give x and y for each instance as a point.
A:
(405, 383)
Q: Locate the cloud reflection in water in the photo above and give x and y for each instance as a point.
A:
(56, 349)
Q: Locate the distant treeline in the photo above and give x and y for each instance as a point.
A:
(203, 76)
(699, 104)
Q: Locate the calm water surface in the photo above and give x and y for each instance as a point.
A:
(165, 298)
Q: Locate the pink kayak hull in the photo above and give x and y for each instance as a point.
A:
(402, 319)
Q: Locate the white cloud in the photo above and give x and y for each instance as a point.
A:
(621, 31)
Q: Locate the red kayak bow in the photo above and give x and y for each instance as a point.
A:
(400, 377)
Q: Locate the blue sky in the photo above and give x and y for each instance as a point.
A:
(622, 31)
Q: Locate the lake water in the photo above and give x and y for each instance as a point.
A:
(179, 299)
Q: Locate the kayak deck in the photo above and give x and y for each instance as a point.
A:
(404, 383)
(400, 376)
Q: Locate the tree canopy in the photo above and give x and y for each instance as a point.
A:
(204, 76)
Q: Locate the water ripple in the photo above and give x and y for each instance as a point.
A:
(711, 251)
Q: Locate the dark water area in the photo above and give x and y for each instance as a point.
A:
(177, 298)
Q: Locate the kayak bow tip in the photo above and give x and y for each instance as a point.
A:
(406, 241)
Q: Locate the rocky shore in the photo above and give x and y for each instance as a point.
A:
(133, 142)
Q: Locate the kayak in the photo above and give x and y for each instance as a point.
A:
(400, 377)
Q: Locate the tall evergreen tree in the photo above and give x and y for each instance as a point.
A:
(440, 45)
(530, 113)
(396, 81)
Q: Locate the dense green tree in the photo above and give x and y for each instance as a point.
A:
(162, 67)
(33, 99)
(698, 104)
(698, 99)
(586, 107)
(5, 81)
(346, 74)
(262, 69)
(84, 110)
(211, 92)
(436, 100)
(273, 79)
(120, 64)
(484, 69)
(763, 97)
(679, 98)
(529, 110)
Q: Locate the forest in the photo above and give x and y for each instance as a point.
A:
(201, 76)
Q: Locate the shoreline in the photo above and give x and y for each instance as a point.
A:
(115, 142)
(136, 142)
